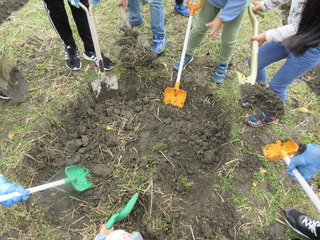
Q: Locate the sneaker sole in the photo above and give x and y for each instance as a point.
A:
(256, 126)
(177, 12)
(5, 98)
(296, 230)
(74, 69)
(96, 62)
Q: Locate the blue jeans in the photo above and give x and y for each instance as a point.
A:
(293, 68)
(156, 15)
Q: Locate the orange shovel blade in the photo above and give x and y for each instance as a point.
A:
(273, 151)
(175, 97)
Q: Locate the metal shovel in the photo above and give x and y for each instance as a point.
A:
(281, 149)
(242, 79)
(124, 213)
(107, 86)
(176, 96)
(76, 175)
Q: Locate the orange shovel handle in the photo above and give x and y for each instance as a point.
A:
(176, 87)
(194, 8)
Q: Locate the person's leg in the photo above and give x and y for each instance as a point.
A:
(134, 10)
(293, 68)
(229, 38)
(268, 53)
(157, 25)
(59, 19)
(207, 13)
(81, 20)
(157, 17)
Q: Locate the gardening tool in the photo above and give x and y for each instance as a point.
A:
(12, 83)
(142, 40)
(281, 149)
(105, 87)
(76, 175)
(242, 79)
(124, 213)
(176, 96)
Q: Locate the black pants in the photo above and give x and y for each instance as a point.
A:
(59, 19)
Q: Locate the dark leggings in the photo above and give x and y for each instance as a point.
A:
(179, 2)
(59, 19)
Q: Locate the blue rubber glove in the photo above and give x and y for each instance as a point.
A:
(7, 187)
(75, 2)
(307, 163)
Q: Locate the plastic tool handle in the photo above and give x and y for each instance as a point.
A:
(255, 47)
(314, 198)
(125, 212)
(194, 8)
(37, 188)
(94, 36)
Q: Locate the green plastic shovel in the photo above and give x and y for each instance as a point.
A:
(76, 175)
(124, 213)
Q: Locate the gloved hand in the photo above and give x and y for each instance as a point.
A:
(307, 163)
(7, 187)
(75, 2)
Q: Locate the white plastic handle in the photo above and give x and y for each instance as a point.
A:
(314, 198)
(33, 189)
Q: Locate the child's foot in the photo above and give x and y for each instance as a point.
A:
(259, 119)
(181, 9)
(72, 57)
(159, 43)
(187, 59)
(91, 56)
(220, 73)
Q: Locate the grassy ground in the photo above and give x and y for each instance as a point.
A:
(29, 39)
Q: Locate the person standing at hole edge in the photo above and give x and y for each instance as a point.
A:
(298, 43)
(156, 21)
(215, 14)
(59, 19)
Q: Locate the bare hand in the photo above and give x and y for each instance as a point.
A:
(261, 38)
(257, 6)
(104, 230)
(216, 26)
(122, 3)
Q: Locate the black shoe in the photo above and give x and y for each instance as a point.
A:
(302, 224)
(72, 58)
(3, 95)
(91, 56)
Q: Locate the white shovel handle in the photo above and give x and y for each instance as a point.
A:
(33, 189)
(314, 198)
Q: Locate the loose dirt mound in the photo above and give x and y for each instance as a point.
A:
(170, 155)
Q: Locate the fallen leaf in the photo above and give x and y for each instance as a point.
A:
(108, 128)
(262, 170)
(303, 109)
(294, 91)
(254, 184)
(11, 135)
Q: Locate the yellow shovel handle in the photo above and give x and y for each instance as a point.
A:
(194, 8)
(176, 87)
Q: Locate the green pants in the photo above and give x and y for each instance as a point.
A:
(230, 32)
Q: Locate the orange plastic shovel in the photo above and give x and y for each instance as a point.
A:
(281, 149)
(176, 96)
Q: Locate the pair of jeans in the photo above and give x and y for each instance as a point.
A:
(293, 68)
(156, 15)
(229, 35)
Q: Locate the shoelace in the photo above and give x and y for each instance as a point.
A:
(311, 224)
